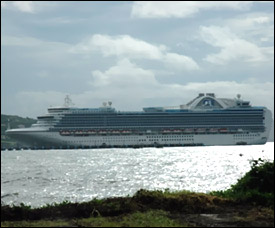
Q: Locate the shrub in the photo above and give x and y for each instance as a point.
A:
(256, 186)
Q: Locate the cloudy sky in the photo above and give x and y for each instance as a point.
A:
(134, 54)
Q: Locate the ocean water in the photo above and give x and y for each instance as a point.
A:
(40, 177)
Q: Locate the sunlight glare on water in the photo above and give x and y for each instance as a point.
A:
(47, 176)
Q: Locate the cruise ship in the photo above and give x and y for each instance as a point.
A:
(204, 121)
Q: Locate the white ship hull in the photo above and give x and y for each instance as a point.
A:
(54, 139)
(222, 123)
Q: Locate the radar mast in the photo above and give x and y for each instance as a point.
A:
(68, 102)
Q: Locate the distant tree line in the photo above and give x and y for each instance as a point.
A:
(13, 122)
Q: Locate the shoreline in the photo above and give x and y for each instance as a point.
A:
(179, 208)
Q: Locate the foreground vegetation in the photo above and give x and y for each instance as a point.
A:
(256, 186)
(248, 203)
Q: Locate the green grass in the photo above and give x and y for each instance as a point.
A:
(142, 201)
(151, 218)
(40, 223)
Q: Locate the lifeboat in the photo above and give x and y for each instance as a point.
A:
(126, 132)
(78, 133)
(65, 133)
(223, 130)
(102, 132)
(115, 132)
(166, 131)
(240, 130)
(213, 130)
(177, 131)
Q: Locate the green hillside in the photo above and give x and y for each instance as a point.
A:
(14, 122)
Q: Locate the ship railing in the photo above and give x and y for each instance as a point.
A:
(151, 132)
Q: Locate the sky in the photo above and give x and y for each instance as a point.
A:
(135, 54)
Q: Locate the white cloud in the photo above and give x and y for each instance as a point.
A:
(125, 46)
(180, 62)
(122, 45)
(182, 9)
(232, 47)
(255, 26)
(122, 75)
(27, 6)
(24, 6)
